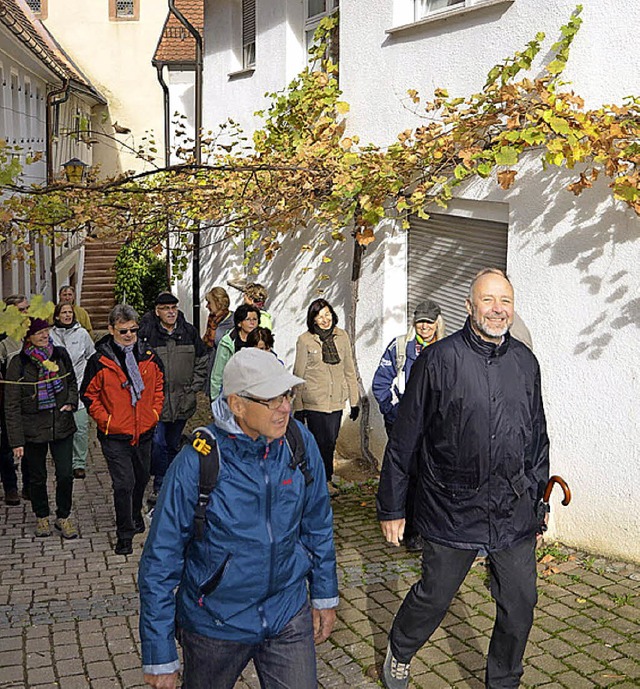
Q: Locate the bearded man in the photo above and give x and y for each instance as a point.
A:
(473, 411)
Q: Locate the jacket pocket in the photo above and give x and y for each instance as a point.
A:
(212, 583)
(519, 484)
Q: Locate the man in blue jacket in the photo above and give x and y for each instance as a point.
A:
(242, 591)
(473, 409)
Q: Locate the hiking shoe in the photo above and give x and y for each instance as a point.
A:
(12, 498)
(123, 547)
(138, 525)
(66, 528)
(152, 499)
(43, 527)
(395, 675)
(79, 473)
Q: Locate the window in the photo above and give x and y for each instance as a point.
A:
(424, 8)
(124, 10)
(38, 7)
(248, 33)
(315, 12)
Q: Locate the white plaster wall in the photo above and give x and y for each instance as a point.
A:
(573, 261)
(279, 57)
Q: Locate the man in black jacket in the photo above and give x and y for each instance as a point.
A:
(185, 358)
(473, 409)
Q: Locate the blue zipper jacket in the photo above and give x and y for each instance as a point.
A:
(384, 386)
(268, 544)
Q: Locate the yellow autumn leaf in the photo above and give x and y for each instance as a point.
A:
(326, 259)
(39, 308)
(50, 365)
(342, 107)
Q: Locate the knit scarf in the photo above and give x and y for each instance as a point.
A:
(65, 326)
(49, 384)
(329, 350)
(133, 372)
(209, 337)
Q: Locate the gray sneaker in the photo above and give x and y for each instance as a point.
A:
(395, 675)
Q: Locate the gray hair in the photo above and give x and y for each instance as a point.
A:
(487, 271)
(14, 299)
(122, 313)
(64, 287)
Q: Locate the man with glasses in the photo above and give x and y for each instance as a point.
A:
(185, 359)
(260, 584)
(123, 392)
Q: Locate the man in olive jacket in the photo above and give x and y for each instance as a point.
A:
(185, 358)
(473, 409)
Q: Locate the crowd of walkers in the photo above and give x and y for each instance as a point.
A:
(240, 563)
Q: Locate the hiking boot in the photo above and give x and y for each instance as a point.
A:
(12, 497)
(66, 528)
(43, 528)
(395, 675)
(123, 547)
(333, 491)
(138, 524)
(79, 473)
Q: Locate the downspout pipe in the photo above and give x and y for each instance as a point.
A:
(54, 99)
(167, 150)
(198, 154)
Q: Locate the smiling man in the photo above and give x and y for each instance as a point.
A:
(473, 411)
(259, 581)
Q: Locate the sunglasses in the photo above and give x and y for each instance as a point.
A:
(124, 331)
(275, 402)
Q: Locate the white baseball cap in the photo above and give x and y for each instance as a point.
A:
(256, 373)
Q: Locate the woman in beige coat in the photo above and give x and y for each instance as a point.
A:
(324, 360)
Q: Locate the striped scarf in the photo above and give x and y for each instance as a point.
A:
(49, 383)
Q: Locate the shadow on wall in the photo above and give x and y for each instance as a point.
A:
(587, 232)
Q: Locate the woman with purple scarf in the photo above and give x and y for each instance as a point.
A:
(40, 399)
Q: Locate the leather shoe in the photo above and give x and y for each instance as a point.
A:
(12, 498)
(123, 547)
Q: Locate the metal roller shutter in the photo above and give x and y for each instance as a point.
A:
(248, 21)
(445, 252)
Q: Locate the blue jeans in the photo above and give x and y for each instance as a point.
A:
(286, 661)
(166, 445)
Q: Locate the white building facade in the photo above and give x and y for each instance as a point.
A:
(573, 260)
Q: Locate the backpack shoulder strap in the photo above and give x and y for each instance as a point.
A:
(204, 443)
(295, 441)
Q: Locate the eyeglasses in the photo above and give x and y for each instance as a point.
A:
(124, 331)
(275, 402)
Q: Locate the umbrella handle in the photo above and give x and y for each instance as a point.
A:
(565, 489)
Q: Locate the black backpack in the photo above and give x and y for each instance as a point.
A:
(206, 446)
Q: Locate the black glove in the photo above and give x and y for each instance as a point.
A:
(542, 510)
(300, 416)
(355, 413)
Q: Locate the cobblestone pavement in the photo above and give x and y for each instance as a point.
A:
(68, 609)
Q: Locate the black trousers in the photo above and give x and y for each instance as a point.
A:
(324, 427)
(412, 489)
(35, 454)
(129, 469)
(513, 587)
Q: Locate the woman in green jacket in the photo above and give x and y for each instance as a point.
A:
(246, 319)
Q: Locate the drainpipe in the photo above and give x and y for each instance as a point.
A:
(198, 146)
(167, 152)
(54, 99)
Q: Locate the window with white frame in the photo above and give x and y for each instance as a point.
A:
(424, 8)
(315, 12)
(248, 33)
(38, 7)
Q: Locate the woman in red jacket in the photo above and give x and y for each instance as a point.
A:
(123, 392)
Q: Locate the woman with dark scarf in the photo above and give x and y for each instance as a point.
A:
(324, 360)
(123, 392)
(68, 333)
(39, 403)
(245, 319)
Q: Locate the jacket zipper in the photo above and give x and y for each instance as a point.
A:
(267, 481)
